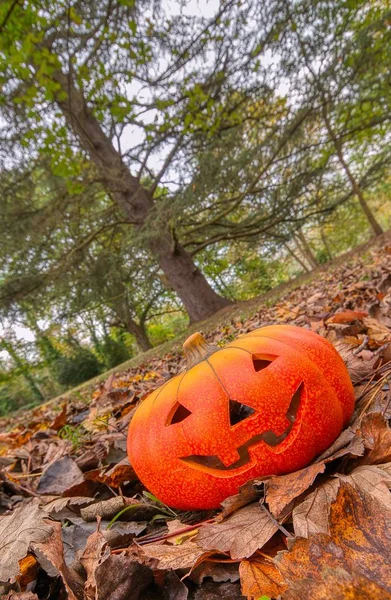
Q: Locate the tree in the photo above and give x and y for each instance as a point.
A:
(340, 49)
(66, 84)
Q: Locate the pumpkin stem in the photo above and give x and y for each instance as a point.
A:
(196, 349)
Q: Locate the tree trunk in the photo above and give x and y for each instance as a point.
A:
(297, 259)
(326, 243)
(353, 181)
(198, 297)
(308, 250)
(140, 334)
(200, 300)
(138, 330)
(24, 369)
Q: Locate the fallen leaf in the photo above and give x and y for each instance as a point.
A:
(96, 551)
(60, 419)
(342, 441)
(312, 515)
(107, 508)
(372, 480)
(60, 476)
(347, 316)
(114, 477)
(52, 549)
(241, 534)
(377, 438)
(174, 588)
(28, 571)
(357, 542)
(259, 576)
(246, 495)
(377, 332)
(281, 490)
(184, 556)
(25, 525)
(336, 584)
(118, 577)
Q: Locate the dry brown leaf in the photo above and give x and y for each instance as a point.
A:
(106, 508)
(60, 420)
(28, 567)
(357, 367)
(354, 448)
(184, 556)
(357, 542)
(336, 584)
(56, 505)
(53, 551)
(377, 331)
(246, 495)
(115, 476)
(96, 551)
(342, 441)
(241, 534)
(174, 588)
(377, 438)
(312, 515)
(17, 531)
(372, 480)
(118, 577)
(59, 477)
(281, 490)
(259, 576)
(347, 316)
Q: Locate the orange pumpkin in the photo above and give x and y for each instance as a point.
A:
(267, 403)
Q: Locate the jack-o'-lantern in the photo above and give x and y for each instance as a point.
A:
(266, 403)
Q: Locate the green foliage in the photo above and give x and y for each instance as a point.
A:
(113, 351)
(76, 368)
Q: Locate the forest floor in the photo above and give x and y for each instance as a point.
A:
(76, 522)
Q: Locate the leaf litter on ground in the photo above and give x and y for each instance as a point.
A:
(76, 522)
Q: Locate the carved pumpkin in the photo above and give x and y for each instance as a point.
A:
(267, 403)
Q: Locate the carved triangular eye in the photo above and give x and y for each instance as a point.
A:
(261, 362)
(239, 412)
(179, 413)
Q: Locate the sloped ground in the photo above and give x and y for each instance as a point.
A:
(318, 533)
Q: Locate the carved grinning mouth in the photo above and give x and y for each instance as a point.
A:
(268, 437)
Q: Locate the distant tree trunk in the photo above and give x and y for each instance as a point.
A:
(138, 330)
(305, 249)
(297, 259)
(353, 181)
(326, 243)
(23, 368)
(198, 297)
(140, 334)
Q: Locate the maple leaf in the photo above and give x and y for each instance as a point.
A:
(356, 543)
(336, 584)
(259, 576)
